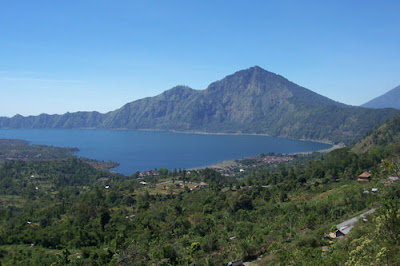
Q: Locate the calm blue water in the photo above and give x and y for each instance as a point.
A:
(144, 150)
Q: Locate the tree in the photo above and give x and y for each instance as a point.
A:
(104, 218)
(389, 221)
(243, 202)
(66, 253)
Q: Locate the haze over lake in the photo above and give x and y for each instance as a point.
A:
(144, 150)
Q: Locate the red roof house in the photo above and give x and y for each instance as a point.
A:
(364, 177)
(203, 185)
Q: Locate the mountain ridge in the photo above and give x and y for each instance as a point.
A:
(252, 101)
(390, 99)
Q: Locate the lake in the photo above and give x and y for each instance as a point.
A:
(145, 150)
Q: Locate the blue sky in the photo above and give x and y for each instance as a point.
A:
(59, 56)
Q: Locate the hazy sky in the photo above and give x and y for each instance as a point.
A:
(59, 56)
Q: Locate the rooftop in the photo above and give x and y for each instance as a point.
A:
(365, 175)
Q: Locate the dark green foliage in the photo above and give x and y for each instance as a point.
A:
(390, 220)
(387, 134)
(11, 149)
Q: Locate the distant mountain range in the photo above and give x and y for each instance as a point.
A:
(248, 101)
(391, 99)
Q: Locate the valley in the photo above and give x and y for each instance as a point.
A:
(66, 211)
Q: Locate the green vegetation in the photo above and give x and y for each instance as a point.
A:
(67, 212)
(249, 101)
(11, 149)
(387, 134)
(271, 162)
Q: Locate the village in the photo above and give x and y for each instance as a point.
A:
(343, 229)
(233, 168)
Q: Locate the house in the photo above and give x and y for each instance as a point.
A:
(344, 228)
(374, 190)
(393, 178)
(343, 231)
(364, 177)
(143, 183)
(203, 185)
(149, 173)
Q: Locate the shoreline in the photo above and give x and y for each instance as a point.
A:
(235, 134)
(225, 163)
(182, 132)
(232, 162)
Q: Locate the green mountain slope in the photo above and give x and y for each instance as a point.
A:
(382, 136)
(248, 101)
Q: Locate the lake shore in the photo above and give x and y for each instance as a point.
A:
(237, 134)
(231, 163)
(136, 150)
(207, 133)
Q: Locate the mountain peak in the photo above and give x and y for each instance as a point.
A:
(253, 81)
(255, 70)
(258, 75)
(391, 99)
(248, 76)
(177, 92)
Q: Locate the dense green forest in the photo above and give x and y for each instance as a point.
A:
(12, 149)
(67, 212)
(382, 136)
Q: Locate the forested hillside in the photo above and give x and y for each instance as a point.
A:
(65, 211)
(387, 134)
